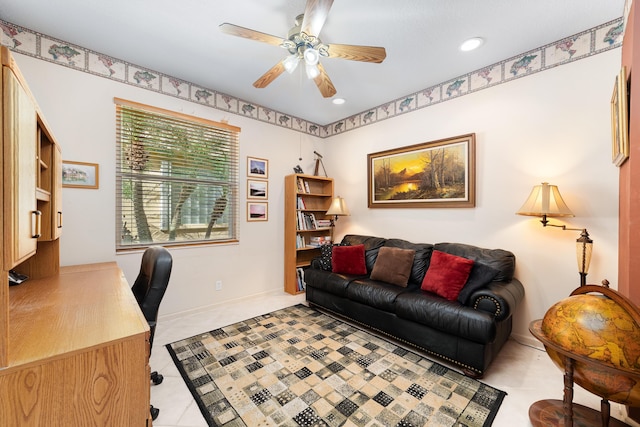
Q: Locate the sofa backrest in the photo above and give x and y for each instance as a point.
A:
(501, 260)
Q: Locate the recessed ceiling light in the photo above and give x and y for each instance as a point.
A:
(471, 44)
(338, 101)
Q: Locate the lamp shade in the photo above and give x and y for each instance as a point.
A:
(338, 207)
(546, 200)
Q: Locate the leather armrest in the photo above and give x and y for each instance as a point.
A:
(498, 298)
(315, 263)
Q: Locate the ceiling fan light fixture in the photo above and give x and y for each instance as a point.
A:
(311, 56)
(291, 63)
(312, 70)
(471, 44)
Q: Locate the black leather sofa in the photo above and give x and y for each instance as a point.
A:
(469, 335)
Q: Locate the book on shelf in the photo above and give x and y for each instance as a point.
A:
(300, 276)
(301, 204)
(301, 185)
(307, 221)
(323, 223)
(306, 187)
(317, 241)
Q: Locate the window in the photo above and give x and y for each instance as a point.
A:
(176, 178)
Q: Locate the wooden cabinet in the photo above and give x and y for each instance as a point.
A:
(21, 218)
(83, 358)
(307, 199)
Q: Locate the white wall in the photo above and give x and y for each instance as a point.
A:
(551, 126)
(80, 110)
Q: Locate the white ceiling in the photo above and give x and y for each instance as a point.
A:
(421, 37)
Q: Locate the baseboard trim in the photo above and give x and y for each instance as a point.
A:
(208, 307)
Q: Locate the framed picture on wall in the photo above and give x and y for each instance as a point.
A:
(437, 174)
(257, 168)
(257, 189)
(620, 120)
(80, 174)
(257, 211)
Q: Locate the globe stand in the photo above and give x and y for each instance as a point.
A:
(550, 413)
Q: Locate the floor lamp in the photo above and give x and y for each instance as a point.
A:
(545, 201)
(338, 208)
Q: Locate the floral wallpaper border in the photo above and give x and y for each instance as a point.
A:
(583, 45)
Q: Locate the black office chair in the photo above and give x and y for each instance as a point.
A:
(149, 288)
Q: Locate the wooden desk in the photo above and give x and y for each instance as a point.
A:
(78, 352)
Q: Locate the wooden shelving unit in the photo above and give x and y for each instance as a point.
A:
(307, 197)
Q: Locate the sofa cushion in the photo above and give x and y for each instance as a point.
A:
(324, 260)
(375, 294)
(481, 275)
(447, 316)
(501, 260)
(348, 260)
(371, 246)
(393, 265)
(332, 283)
(420, 260)
(447, 274)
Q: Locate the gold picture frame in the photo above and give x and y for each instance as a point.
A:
(80, 175)
(436, 174)
(620, 120)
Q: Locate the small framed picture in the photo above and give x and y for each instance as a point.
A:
(257, 168)
(80, 174)
(257, 211)
(257, 189)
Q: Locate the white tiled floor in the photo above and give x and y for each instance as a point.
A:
(525, 373)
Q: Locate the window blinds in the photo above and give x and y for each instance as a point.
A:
(176, 178)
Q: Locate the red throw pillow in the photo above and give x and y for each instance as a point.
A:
(348, 260)
(446, 274)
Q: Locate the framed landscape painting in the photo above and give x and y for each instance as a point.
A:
(257, 189)
(257, 168)
(80, 174)
(619, 120)
(437, 174)
(257, 211)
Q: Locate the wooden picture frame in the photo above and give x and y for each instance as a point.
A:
(257, 189)
(257, 168)
(620, 120)
(436, 174)
(257, 211)
(80, 175)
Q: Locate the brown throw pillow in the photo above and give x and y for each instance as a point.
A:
(393, 265)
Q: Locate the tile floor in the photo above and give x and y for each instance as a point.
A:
(525, 373)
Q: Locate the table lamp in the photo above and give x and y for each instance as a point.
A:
(338, 208)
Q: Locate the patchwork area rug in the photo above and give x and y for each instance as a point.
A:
(299, 367)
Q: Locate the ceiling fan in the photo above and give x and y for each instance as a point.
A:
(303, 44)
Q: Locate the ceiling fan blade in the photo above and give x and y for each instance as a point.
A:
(357, 53)
(324, 83)
(269, 76)
(247, 33)
(315, 14)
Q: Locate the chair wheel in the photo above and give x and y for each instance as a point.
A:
(156, 378)
(154, 412)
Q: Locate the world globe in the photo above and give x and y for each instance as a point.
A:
(601, 335)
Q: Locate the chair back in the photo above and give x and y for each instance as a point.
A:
(152, 282)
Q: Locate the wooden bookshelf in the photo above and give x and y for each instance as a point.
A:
(307, 199)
